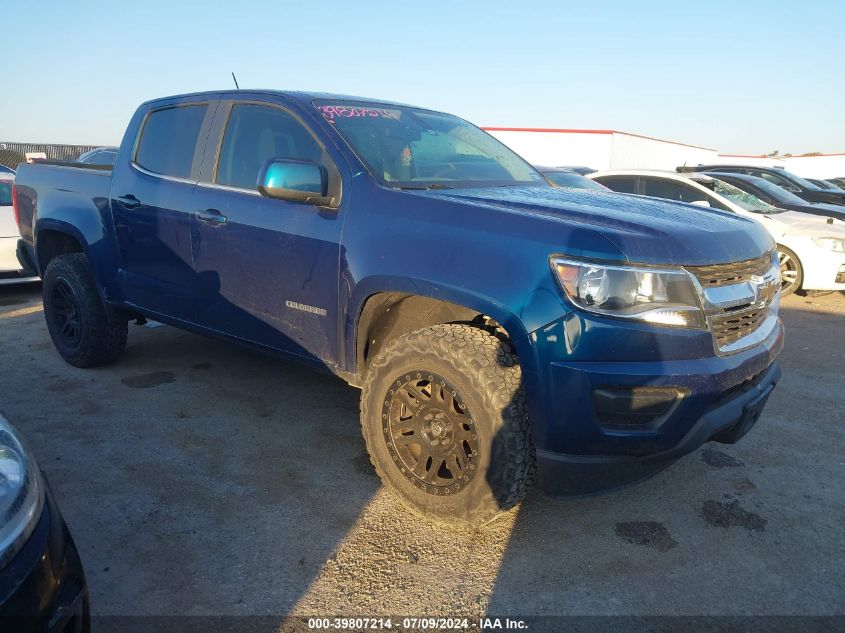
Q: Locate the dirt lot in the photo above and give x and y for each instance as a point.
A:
(201, 478)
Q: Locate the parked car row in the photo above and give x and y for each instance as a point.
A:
(780, 177)
(811, 248)
(810, 235)
(779, 197)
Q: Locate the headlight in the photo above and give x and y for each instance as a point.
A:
(663, 297)
(835, 244)
(21, 492)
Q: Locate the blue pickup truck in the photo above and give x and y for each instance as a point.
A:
(502, 330)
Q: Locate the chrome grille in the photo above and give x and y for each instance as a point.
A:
(739, 298)
(736, 272)
(729, 328)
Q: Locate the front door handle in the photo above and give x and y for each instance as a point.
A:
(212, 217)
(129, 201)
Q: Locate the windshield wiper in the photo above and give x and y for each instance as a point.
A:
(422, 187)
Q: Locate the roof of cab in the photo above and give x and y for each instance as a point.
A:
(298, 95)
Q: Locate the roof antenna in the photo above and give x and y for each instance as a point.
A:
(235, 79)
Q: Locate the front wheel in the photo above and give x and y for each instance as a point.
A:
(791, 271)
(444, 418)
(77, 319)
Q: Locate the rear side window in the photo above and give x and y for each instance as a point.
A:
(169, 140)
(620, 184)
(256, 133)
(670, 190)
(5, 193)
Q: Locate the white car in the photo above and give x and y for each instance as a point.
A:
(811, 247)
(10, 268)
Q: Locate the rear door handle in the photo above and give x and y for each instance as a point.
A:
(129, 201)
(212, 217)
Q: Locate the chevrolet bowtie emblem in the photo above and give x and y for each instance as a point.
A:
(764, 291)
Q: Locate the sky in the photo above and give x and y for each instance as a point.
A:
(741, 76)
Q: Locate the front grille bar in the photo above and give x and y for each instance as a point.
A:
(738, 299)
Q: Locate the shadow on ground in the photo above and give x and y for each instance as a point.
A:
(200, 478)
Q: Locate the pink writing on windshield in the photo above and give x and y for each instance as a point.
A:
(346, 112)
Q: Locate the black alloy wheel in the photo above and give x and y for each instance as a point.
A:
(430, 433)
(66, 313)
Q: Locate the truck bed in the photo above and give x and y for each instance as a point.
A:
(64, 188)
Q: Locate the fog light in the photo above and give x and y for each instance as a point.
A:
(840, 276)
(636, 408)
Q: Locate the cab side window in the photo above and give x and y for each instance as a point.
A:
(169, 140)
(255, 133)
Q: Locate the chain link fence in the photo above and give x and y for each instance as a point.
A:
(13, 153)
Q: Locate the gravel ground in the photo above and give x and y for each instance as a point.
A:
(201, 478)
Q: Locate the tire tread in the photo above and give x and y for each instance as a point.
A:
(492, 368)
(103, 339)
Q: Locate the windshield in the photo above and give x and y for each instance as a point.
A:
(405, 147)
(805, 184)
(571, 179)
(778, 193)
(747, 201)
(829, 185)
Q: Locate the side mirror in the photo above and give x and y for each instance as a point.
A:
(700, 203)
(294, 180)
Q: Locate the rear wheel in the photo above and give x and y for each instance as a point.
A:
(791, 271)
(444, 418)
(76, 315)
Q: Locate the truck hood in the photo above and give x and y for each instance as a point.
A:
(642, 229)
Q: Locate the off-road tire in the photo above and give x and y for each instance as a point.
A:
(485, 372)
(99, 339)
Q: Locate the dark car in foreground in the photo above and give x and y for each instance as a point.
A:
(566, 177)
(787, 180)
(495, 323)
(42, 584)
(778, 196)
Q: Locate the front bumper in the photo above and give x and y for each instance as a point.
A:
(579, 452)
(726, 421)
(43, 588)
